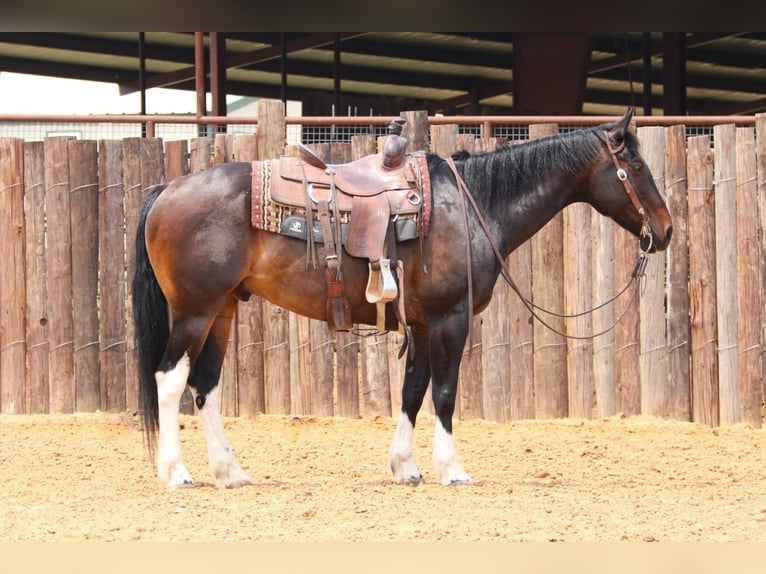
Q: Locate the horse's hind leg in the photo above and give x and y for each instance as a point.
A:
(170, 386)
(187, 335)
(204, 383)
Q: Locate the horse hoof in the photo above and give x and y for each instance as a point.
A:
(411, 480)
(185, 483)
(239, 483)
(456, 482)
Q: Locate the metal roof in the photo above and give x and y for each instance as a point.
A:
(724, 73)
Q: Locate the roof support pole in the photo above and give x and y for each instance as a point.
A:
(199, 77)
(674, 73)
(549, 72)
(218, 75)
(142, 77)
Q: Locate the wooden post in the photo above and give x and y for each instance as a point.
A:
(83, 193)
(36, 283)
(131, 176)
(550, 358)
(444, 139)
(749, 298)
(416, 130)
(679, 407)
(578, 293)
(490, 379)
(521, 336)
(111, 239)
(604, 285)
(300, 364)
(270, 143)
(57, 196)
(223, 148)
(725, 182)
(176, 159)
(760, 158)
(249, 339)
(12, 287)
(199, 154)
(702, 283)
(653, 361)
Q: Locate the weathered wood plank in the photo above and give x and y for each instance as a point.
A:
(83, 191)
(491, 379)
(749, 298)
(444, 139)
(270, 142)
(578, 293)
(521, 337)
(111, 247)
(550, 357)
(725, 181)
(702, 283)
(604, 287)
(653, 361)
(679, 337)
(12, 277)
(61, 334)
(760, 158)
(131, 175)
(36, 283)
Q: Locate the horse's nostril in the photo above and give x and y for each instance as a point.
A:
(669, 233)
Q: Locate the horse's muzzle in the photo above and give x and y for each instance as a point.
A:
(658, 243)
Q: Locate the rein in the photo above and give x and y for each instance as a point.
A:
(638, 268)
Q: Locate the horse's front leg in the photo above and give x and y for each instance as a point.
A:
(446, 349)
(416, 377)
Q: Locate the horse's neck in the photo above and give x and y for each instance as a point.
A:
(533, 207)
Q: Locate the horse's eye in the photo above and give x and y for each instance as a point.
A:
(636, 165)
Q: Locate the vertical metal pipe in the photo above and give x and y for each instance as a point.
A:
(218, 75)
(336, 73)
(199, 77)
(647, 74)
(142, 78)
(283, 68)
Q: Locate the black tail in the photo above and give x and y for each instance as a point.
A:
(150, 312)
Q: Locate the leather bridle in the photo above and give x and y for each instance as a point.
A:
(622, 175)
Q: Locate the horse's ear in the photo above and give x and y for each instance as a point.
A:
(618, 129)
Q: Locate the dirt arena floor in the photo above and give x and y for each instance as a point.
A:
(86, 477)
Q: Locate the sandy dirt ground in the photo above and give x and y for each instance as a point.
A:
(87, 477)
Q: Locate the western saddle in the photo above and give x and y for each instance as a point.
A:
(367, 205)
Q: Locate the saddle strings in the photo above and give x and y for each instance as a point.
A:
(638, 272)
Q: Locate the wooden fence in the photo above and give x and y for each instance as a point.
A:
(690, 348)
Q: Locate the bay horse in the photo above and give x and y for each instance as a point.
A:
(197, 256)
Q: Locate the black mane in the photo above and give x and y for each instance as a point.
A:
(501, 174)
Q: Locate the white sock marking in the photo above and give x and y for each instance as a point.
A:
(447, 467)
(170, 387)
(223, 464)
(400, 455)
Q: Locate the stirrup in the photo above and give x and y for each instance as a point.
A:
(381, 286)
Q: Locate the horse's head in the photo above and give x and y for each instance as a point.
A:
(623, 188)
